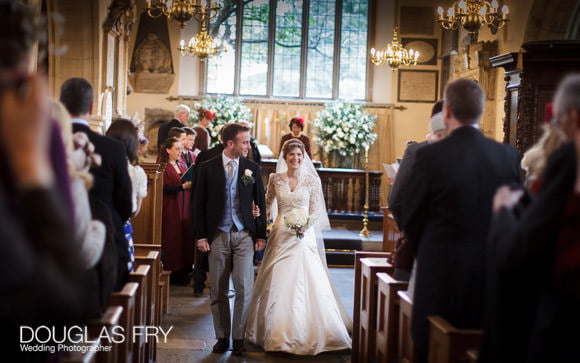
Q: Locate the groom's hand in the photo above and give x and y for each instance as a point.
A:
(259, 245)
(203, 245)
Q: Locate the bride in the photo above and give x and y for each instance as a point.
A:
(295, 307)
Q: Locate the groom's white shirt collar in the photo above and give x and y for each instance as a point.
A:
(226, 160)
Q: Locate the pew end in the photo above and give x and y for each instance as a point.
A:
(449, 344)
(387, 324)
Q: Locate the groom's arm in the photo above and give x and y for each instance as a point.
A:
(260, 200)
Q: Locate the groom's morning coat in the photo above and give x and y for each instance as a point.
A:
(210, 200)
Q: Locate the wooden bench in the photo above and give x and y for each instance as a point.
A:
(370, 266)
(140, 276)
(151, 259)
(108, 321)
(147, 224)
(388, 317)
(448, 344)
(406, 351)
(390, 230)
(143, 249)
(357, 299)
(126, 298)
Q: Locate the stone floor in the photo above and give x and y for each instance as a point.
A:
(192, 337)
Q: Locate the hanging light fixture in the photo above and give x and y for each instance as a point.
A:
(202, 45)
(394, 54)
(472, 15)
(180, 10)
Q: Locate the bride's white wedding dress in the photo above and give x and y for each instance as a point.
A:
(295, 308)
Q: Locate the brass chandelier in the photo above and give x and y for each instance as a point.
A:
(394, 54)
(181, 10)
(472, 15)
(202, 45)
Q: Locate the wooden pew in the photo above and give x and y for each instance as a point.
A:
(406, 351)
(110, 319)
(370, 266)
(388, 317)
(357, 298)
(147, 224)
(126, 298)
(140, 276)
(448, 344)
(143, 249)
(390, 230)
(151, 259)
(88, 356)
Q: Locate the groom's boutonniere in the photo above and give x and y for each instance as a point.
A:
(248, 177)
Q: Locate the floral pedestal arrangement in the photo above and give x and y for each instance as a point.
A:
(344, 130)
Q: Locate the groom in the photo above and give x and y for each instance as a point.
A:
(226, 187)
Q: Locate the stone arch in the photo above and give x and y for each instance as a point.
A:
(553, 19)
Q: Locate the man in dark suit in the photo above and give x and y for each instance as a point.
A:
(201, 264)
(111, 185)
(226, 188)
(448, 210)
(179, 120)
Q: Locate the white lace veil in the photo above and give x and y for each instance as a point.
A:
(319, 215)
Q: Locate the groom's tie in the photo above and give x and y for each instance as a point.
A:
(230, 166)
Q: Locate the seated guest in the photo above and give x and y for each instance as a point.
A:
(177, 247)
(296, 126)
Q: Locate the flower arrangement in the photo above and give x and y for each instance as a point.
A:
(227, 109)
(297, 220)
(248, 178)
(344, 128)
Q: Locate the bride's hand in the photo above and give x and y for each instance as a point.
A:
(255, 211)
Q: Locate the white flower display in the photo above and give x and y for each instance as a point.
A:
(345, 128)
(297, 220)
(228, 109)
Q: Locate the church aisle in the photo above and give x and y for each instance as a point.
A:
(192, 337)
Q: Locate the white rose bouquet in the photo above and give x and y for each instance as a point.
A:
(297, 220)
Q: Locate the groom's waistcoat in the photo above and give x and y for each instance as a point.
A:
(232, 216)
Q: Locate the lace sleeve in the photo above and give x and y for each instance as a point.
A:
(270, 193)
(317, 205)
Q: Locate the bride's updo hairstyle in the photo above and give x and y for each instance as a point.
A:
(291, 145)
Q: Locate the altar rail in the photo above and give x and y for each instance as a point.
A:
(344, 189)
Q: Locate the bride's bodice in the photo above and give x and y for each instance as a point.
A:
(300, 197)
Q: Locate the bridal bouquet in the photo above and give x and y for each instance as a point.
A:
(297, 220)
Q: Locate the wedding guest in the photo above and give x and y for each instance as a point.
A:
(534, 160)
(143, 147)
(125, 131)
(40, 267)
(177, 248)
(203, 139)
(533, 312)
(296, 126)
(180, 119)
(188, 157)
(447, 214)
(112, 184)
